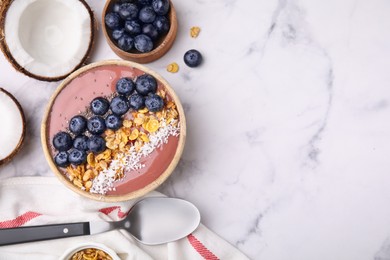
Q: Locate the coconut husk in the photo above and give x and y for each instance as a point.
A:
(19, 146)
(4, 6)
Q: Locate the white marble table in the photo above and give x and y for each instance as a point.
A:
(288, 124)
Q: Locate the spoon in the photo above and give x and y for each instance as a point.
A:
(151, 221)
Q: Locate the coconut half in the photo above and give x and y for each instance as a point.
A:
(13, 126)
(46, 39)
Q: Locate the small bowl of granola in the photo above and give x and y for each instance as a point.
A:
(113, 131)
(93, 251)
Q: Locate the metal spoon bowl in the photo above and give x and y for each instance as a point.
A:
(152, 221)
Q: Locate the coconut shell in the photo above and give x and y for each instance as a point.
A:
(4, 6)
(19, 146)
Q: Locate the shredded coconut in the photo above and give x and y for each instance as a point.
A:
(131, 160)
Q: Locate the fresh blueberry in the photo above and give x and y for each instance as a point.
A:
(149, 30)
(133, 27)
(143, 43)
(161, 7)
(116, 7)
(125, 43)
(96, 144)
(119, 105)
(125, 86)
(96, 125)
(128, 11)
(162, 24)
(193, 58)
(78, 124)
(113, 122)
(146, 84)
(100, 106)
(62, 141)
(77, 157)
(147, 14)
(112, 20)
(61, 159)
(137, 101)
(81, 143)
(144, 2)
(117, 33)
(154, 103)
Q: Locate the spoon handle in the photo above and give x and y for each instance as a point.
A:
(18, 235)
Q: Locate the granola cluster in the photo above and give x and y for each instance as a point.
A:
(91, 254)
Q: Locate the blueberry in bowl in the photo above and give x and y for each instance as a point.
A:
(96, 125)
(99, 106)
(145, 31)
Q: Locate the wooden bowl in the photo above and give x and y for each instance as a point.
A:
(17, 147)
(72, 97)
(162, 47)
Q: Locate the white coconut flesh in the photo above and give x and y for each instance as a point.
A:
(11, 125)
(48, 38)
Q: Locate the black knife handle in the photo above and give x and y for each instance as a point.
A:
(19, 235)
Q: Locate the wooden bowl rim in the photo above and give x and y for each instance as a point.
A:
(4, 6)
(22, 137)
(170, 36)
(151, 186)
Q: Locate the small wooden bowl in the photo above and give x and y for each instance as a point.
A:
(19, 145)
(163, 46)
(69, 100)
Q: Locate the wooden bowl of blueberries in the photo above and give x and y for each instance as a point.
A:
(139, 30)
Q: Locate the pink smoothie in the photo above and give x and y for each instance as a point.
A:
(76, 96)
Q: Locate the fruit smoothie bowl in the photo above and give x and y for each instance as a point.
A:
(113, 131)
(140, 30)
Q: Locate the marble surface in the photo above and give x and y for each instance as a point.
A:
(288, 124)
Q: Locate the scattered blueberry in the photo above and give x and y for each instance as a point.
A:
(113, 122)
(154, 103)
(128, 11)
(96, 125)
(81, 143)
(117, 33)
(61, 159)
(78, 124)
(143, 43)
(112, 20)
(77, 157)
(146, 84)
(96, 144)
(125, 86)
(150, 30)
(100, 106)
(162, 24)
(161, 7)
(193, 58)
(119, 105)
(133, 27)
(62, 141)
(147, 14)
(125, 43)
(137, 101)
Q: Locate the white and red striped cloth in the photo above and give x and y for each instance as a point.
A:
(44, 200)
